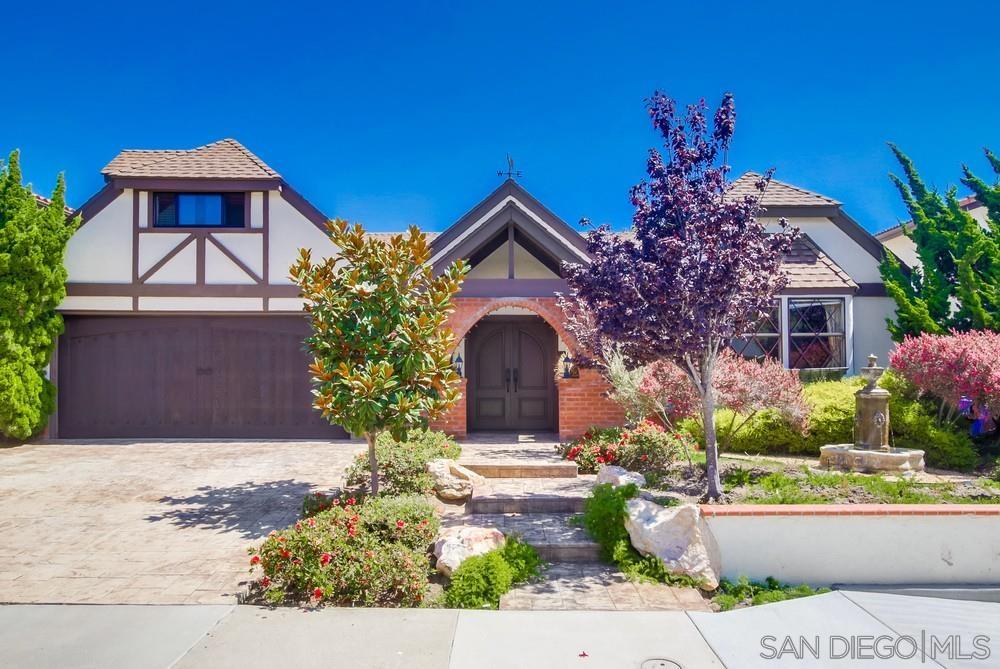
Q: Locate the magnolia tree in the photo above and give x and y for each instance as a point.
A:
(382, 351)
(700, 268)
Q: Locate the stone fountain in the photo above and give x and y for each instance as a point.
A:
(870, 451)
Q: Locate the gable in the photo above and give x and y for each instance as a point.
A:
(509, 212)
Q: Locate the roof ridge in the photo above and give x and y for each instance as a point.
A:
(250, 155)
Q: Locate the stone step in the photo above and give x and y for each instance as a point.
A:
(524, 470)
(553, 535)
(530, 495)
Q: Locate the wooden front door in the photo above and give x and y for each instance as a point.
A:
(511, 362)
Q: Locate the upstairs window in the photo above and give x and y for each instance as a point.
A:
(199, 210)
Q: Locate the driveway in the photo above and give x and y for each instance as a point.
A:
(164, 522)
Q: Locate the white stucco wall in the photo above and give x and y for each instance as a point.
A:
(201, 304)
(101, 250)
(289, 232)
(526, 266)
(904, 248)
(827, 549)
(870, 332)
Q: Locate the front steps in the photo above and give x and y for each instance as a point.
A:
(531, 495)
(520, 470)
(553, 535)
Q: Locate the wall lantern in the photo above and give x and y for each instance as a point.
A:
(569, 370)
(457, 361)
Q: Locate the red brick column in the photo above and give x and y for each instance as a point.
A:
(584, 403)
(454, 421)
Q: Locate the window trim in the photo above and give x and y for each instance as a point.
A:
(847, 335)
(154, 210)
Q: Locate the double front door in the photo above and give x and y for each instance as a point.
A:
(511, 366)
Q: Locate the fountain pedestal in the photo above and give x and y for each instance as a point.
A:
(870, 451)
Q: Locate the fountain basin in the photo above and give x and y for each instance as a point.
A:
(895, 460)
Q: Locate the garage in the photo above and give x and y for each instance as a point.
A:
(186, 377)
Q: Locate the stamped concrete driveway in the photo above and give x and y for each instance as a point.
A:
(163, 522)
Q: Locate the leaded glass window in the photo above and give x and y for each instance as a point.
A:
(816, 333)
(764, 339)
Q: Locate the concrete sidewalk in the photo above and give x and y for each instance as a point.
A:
(217, 637)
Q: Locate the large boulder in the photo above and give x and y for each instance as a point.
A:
(456, 544)
(679, 536)
(452, 481)
(619, 476)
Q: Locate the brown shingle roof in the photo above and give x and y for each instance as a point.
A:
(808, 267)
(780, 194)
(45, 202)
(225, 159)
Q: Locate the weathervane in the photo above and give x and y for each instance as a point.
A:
(511, 173)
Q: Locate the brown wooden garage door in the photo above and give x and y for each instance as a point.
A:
(187, 377)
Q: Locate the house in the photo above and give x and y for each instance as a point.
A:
(896, 240)
(181, 320)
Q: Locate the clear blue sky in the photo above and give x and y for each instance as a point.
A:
(392, 113)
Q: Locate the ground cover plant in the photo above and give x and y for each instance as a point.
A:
(368, 553)
(402, 463)
(743, 592)
(481, 580)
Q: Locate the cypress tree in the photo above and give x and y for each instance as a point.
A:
(957, 286)
(33, 241)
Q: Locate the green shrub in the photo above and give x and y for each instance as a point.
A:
(914, 425)
(523, 559)
(481, 580)
(831, 413)
(753, 593)
(402, 465)
(317, 502)
(604, 515)
(369, 554)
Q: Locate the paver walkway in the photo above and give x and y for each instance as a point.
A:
(149, 522)
(596, 587)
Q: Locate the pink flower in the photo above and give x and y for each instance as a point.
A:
(400, 524)
(324, 559)
(255, 559)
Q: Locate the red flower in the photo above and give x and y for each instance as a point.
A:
(400, 524)
(351, 501)
(285, 553)
(255, 559)
(312, 522)
(318, 593)
(324, 559)
(336, 502)
(265, 581)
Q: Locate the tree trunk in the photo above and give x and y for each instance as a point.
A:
(372, 461)
(711, 445)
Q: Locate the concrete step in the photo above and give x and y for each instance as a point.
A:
(525, 470)
(531, 495)
(553, 535)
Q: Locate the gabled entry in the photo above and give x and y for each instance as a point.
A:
(510, 218)
(511, 366)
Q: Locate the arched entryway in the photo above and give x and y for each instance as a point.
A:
(510, 366)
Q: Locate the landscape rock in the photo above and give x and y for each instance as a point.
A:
(452, 481)
(679, 536)
(456, 544)
(619, 476)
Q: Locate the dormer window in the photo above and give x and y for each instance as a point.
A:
(200, 210)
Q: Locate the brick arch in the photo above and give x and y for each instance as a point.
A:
(469, 311)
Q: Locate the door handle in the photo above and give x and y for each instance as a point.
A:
(506, 380)
(515, 379)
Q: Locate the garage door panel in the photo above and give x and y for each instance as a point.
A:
(183, 377)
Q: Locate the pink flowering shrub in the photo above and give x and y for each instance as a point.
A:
(950, 367)
(353, 554)
(744, 387)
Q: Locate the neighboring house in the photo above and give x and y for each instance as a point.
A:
(181, 320)
(896, 240)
